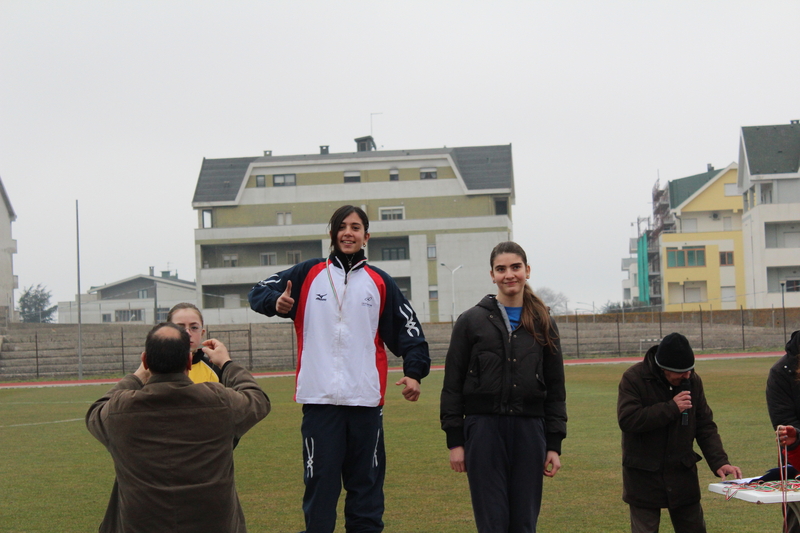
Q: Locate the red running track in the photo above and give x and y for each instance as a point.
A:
(587, 361)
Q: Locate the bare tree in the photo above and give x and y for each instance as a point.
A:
(557, 301)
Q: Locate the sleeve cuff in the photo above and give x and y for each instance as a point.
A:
(553, 441)
(455, 437)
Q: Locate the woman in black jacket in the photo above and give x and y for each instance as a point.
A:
(503, 401)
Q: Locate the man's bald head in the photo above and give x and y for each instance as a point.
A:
(167, 349)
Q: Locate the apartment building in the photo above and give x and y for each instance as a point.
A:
(435, 214)
(8, 247)
(702, 260)
(769, 182)
(693, 244)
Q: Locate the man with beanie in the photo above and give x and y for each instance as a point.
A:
(661, 411)
(783, 402)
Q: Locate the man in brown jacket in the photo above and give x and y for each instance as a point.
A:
(172, 440)
(661, 411)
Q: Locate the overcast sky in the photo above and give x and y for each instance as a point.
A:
(115, 104)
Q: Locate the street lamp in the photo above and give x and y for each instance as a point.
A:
(453, 287)
(592, 304)
(783, 306)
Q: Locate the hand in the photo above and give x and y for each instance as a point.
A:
(683, 400)
(216, 352)
(457, 459)
(142, 373)
(735, 471)
(285, 301)
(552, 464)
(787, 435)
(411, 389)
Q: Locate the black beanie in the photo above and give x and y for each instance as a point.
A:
(675, 354)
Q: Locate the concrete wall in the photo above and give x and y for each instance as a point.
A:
(31, 351)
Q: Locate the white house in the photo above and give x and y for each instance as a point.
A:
(139, 299)
(8, 247)
(769, 181)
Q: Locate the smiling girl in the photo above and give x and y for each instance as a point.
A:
(503, 401)
(344, 310)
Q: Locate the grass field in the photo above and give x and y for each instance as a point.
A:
(55, 477)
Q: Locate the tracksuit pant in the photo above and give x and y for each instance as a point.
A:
(505, 458)
(343, 445)
(686, 519)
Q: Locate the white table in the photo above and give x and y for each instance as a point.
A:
(751, 495)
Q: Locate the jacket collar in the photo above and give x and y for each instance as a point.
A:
(346, 262)
(165, 378)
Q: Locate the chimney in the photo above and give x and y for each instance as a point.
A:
(267, 153)
(365, 144)
(165, 274)
(710, 167)
(152, 271)
(323, 150)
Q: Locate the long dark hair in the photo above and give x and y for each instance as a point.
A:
(535, 314)
(184, 305)
(338, 217)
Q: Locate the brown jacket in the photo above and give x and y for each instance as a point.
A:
(659, 465)
(172, 444)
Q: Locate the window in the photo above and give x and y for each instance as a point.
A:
(501, 206)
(689, 225)
(687, 257)
(728, 294)
(391, 213)
(427, 173)
(393, 254)
(727, 223)
(433, 292)
(129, 315)
(285, 218)
(283, 180)
(352, 177)
(230, 260)
(693, 295)
(161, 314)
(725, 258)
(731, 189)
(431, 251)
(106, 317)
(261, 181)
(142, 293)
(293, 257)
(394, 175)
(793, 285)
(269, 259)
(207, 218)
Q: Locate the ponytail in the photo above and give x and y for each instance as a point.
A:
(536, 318)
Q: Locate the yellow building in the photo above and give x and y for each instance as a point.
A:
(701, 254)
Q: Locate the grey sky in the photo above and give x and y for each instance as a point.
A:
(116, 103)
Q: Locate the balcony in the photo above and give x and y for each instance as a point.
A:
(237, 275)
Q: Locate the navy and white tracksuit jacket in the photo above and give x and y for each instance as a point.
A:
(342, 321)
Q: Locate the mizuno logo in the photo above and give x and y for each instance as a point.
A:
(321, 297)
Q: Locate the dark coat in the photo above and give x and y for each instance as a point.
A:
(659, 465)
(783, 388)
(491, 371)
(172, 444)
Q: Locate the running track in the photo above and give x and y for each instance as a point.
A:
(604, 361)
